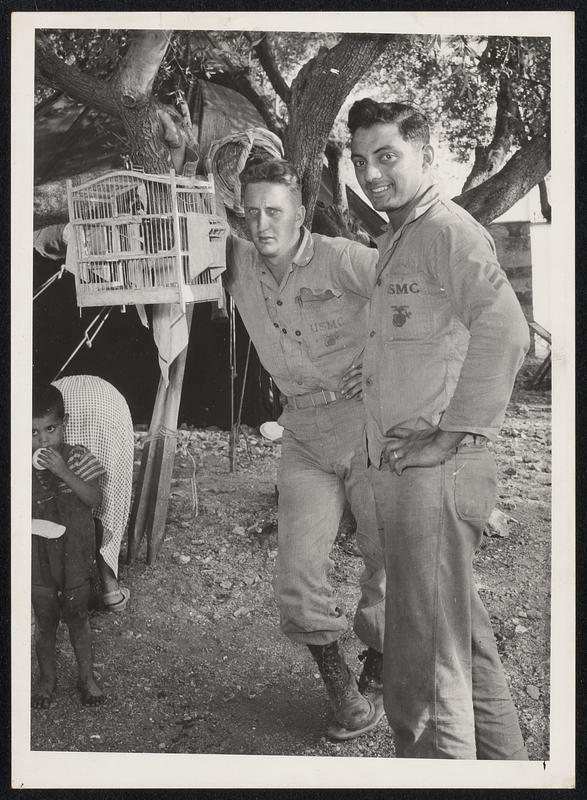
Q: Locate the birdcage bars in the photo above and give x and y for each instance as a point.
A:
(141, 238)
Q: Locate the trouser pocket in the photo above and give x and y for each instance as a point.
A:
(475, 484)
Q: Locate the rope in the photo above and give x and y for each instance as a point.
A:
(185, 450)
(162, 433)
(240, 407)
(194, 486)
(168, 433)
(87, 338)
(48, 282)
(232, 364)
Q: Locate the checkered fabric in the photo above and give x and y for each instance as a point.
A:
(99, 418)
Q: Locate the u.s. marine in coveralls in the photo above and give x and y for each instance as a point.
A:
(446, 338)
(304, 299)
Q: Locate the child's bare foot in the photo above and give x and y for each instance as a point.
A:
(42, 696)
(91, 694)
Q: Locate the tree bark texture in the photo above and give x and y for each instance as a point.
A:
(527, 167)
(317, 94)
(334, 152)
(153, 130)
(158, 134)
(70, 80)
(50, 200)
(136, 74)
(490, 158)
(144, 130)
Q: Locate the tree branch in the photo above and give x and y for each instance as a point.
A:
(158, 133)
(489, 159)
(50, 199)
(487, 57)
(48, 101)
(264, 51)
(526, 168)
(138, 69)
(70, 80)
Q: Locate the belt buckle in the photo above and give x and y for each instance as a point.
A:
(473, 440)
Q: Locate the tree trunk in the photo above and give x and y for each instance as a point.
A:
(333, 220)
(158, 134)
(147, 147)
(334, 152)
(317, 94)
(491, 158)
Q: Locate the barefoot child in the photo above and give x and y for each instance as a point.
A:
(64, 491)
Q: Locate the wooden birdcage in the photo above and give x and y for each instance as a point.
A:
(139, 238)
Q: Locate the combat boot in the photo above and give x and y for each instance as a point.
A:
(354, 713)
(371, 677)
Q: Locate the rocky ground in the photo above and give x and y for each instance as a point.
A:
(197, 664)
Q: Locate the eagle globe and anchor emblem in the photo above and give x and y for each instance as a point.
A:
(401, 315)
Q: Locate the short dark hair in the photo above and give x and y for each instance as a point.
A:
(411, 122)
(47, 399)
(273, 170)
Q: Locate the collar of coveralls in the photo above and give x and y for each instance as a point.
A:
(303, 254)
(429, 196)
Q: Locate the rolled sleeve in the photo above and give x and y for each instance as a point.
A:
(358, 269)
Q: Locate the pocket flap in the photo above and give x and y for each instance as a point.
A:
(312, 295)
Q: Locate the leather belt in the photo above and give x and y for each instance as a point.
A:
(313, 399)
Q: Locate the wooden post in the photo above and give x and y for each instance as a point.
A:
(166, 447)
(149, 511)
(140, 511)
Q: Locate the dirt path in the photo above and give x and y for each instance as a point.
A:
(197, 663)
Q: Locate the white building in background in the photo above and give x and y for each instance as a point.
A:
(528, 208)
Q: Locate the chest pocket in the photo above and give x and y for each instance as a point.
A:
(331, 319)
(412, 305)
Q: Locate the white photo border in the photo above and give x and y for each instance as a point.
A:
(34, 769)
